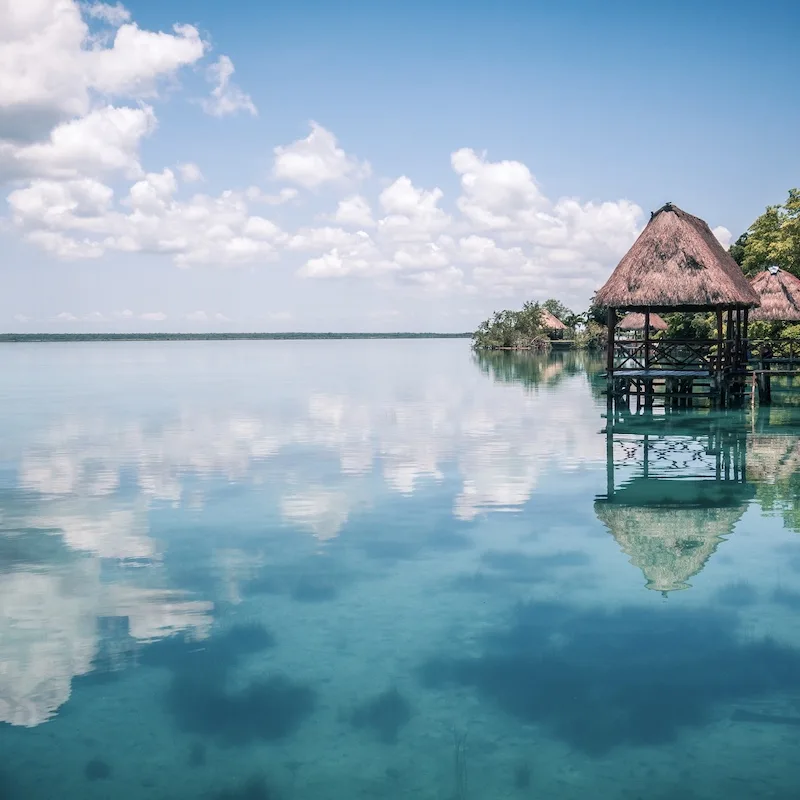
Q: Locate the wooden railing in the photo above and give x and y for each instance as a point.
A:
(774, 353)
(675, 354)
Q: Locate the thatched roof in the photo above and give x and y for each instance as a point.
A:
(635, 322)
(675, 526)
(779, 292)
(676, 264)
(551, 322)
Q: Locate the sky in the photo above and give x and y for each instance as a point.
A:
(369, 166)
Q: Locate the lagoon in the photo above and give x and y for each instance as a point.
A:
(387, 569)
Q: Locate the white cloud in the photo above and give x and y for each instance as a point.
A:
(51, 67)
(412, 214)
(495, 195)
(153, 316)
(190, 173)
(363, 259)
(65, 316)
(354, 211)
(226, 97)
(105, 141)
(22, 318)
(724, 236)
(323, 238)
(79, 219)
(316, 160)
(204, 316)
(114, 15)
(285, 195)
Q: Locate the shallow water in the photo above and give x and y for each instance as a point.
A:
(387, 569)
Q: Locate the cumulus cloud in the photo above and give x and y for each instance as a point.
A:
(115, 15)
(354, 211)
(154, 316)
(190, 173)
(724, 236)
(205, 316)
(316, 160)
(226, 97)
(51, 67)
(78, 219)
(105, 141)
(73, 118)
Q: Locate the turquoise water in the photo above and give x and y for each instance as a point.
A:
(387, 569)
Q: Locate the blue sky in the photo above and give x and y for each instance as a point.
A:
(617, 107)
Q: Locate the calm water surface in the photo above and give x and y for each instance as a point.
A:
(387, 569)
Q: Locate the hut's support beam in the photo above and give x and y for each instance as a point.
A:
(611, 322)
(720, 366)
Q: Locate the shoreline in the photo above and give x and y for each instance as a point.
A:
(164, 337)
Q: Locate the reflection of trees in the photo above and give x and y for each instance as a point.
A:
(773, 464)
(534, 369)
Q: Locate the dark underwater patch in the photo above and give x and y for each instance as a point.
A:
(317, 580)
(385, 715)
(200, 698)
(632, 676)
(254, 788)
(787, 599)
(96, 770)
(736, 595)
(268, 709)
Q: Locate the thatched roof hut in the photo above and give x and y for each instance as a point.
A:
(677, 264)
(551, 322)
(779, 293)
(670, 528)
(635, 322)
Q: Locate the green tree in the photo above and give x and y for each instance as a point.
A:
(774, 238)
(519, 329)
(557, 309)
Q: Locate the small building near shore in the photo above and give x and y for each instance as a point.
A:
(552, 324)
(635, 322)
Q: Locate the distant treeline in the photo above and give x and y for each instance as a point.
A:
(168, 337)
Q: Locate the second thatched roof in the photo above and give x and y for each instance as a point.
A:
(677, 263)
(779, 292)
(551, 322)
(635, 322)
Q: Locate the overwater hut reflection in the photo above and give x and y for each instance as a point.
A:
(676, 487)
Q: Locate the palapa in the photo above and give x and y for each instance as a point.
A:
(635, 322)
(677, 264)
(779, 292)
(551, 322)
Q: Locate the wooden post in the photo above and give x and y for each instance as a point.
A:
(611, 322)
(718, 376)
(745, 335)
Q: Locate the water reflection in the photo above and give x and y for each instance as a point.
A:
(683, 489)
(308, 571)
